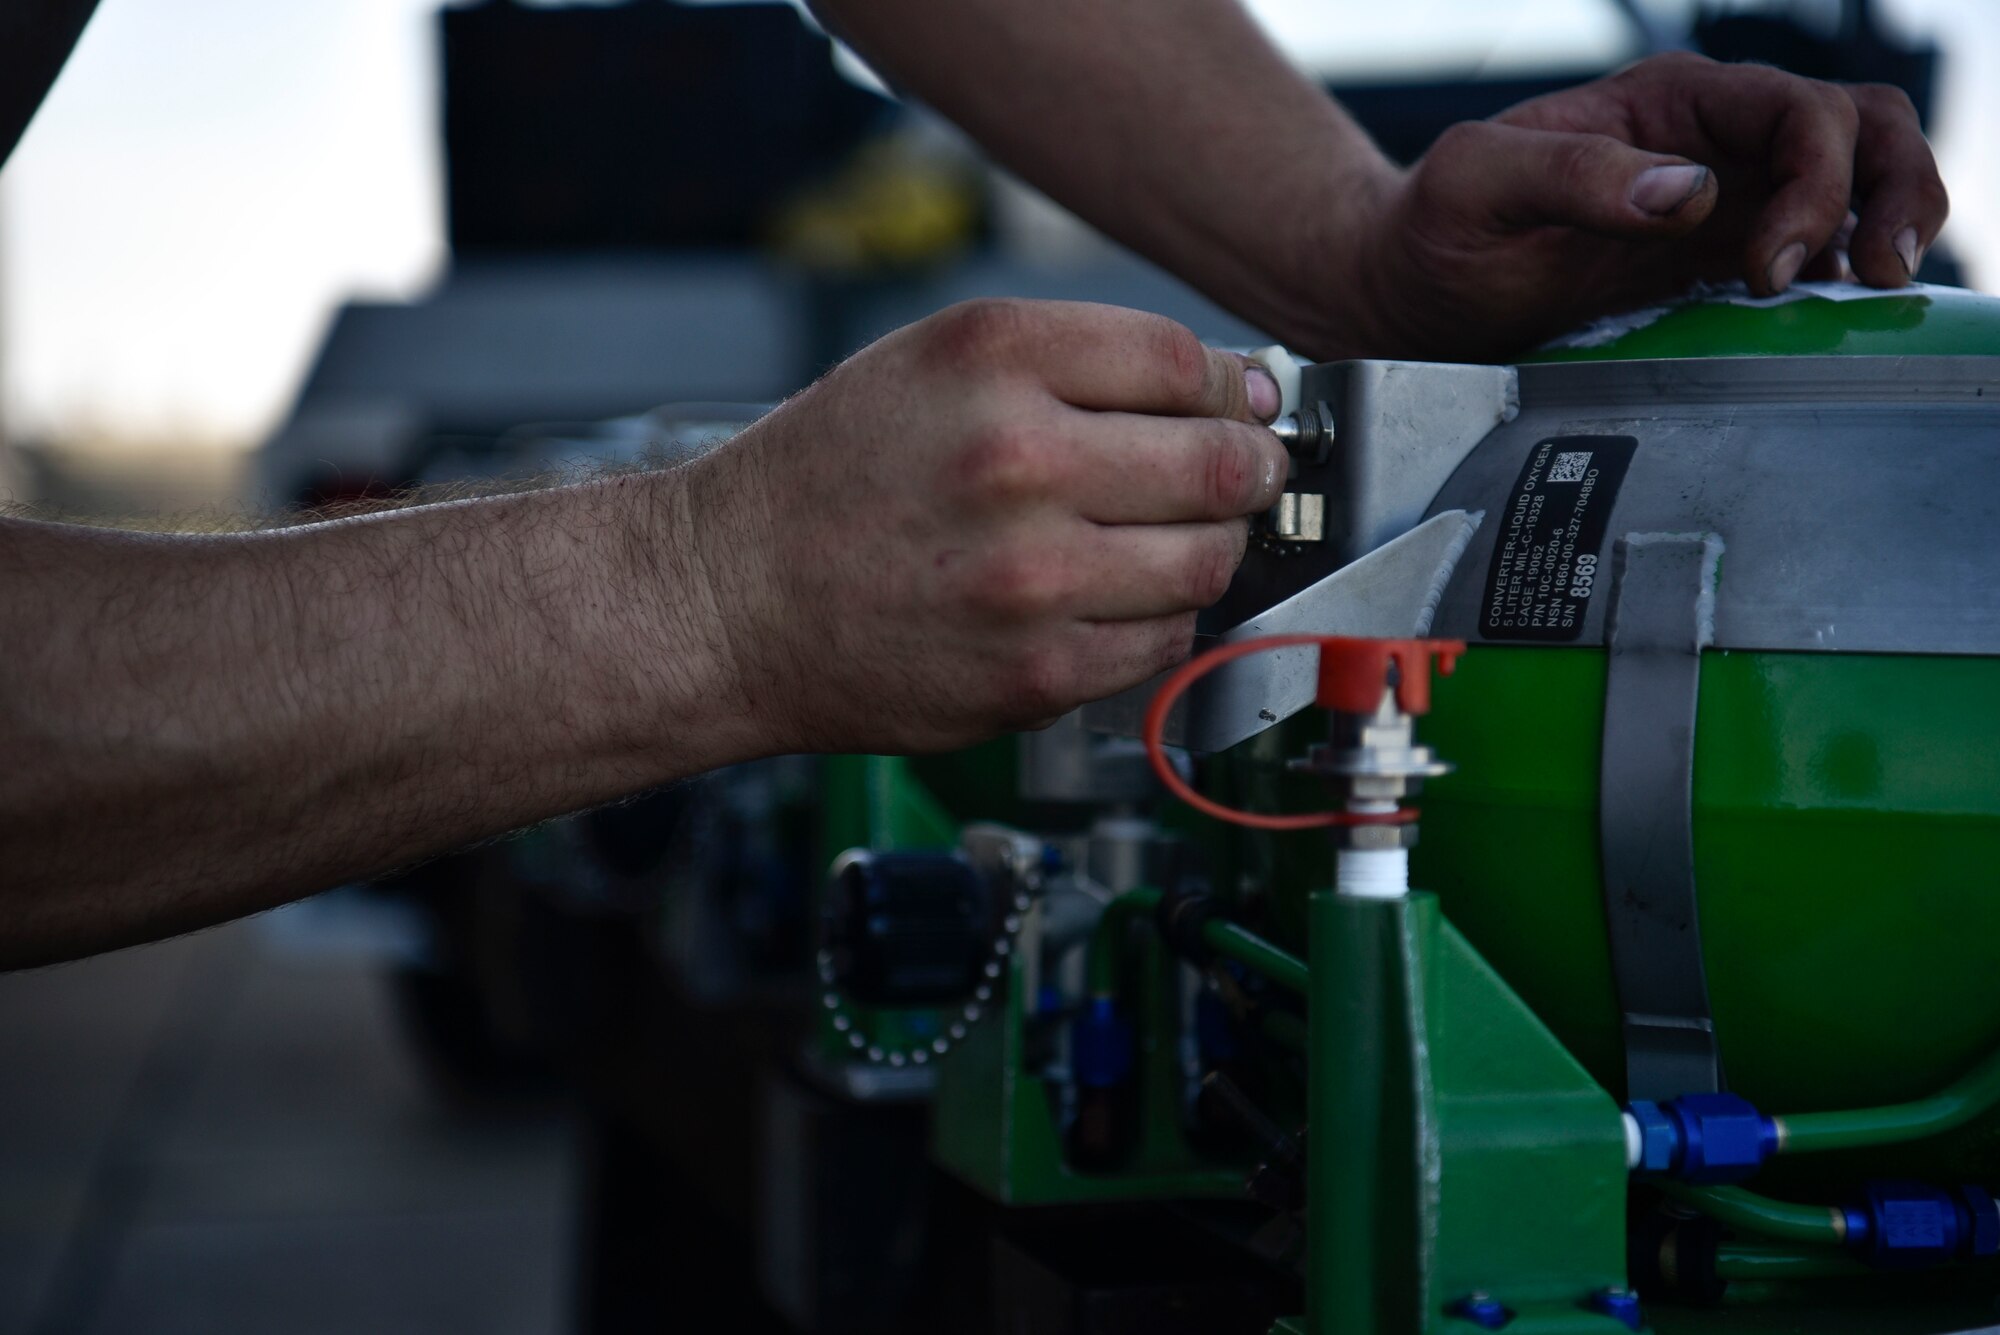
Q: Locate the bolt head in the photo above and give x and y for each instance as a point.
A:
(1620, 1304)
(1482, 1310)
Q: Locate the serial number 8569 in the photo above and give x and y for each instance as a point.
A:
(1585, 576)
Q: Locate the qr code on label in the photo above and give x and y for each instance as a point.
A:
(1569, 466)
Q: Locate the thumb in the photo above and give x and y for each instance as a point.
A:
(1550, 177)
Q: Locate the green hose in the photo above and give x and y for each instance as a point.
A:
(1782, 1220)
(1976, 1092)
(1256, 954)
(1752, 1261)
(1228, 940)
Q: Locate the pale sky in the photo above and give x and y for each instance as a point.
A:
(211, 177)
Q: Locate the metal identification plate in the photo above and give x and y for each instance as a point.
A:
(1550, 538)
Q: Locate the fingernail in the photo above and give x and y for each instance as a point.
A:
(1263, 390)
(1906, 250)
(1661, 191)
(1786, 266)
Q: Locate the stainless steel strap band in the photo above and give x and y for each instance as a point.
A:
(1661, 617)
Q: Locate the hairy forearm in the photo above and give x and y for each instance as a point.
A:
(197, 727)
(1173, 125)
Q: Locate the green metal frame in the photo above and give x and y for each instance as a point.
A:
(1455, 1147)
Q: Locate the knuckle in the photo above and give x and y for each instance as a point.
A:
(1019, 583)
(1780, 89)
(1041, 683)
(1574, 166)
(1675, 61)
(1229, 473)
(1768, 76)
(1459, 140)
(1883, 99)
(1839, 104)
(1183, 365)
(1006, 463)
(1211, 569)
(1176, 642)
(1934, 198)
(974, 333)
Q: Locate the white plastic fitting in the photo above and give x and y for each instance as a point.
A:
(1635, 1142)
(1372, 873)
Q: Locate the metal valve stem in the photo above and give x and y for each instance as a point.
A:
(1307, 434)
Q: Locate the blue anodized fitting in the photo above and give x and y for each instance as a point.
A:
(1902, 1225)
(1100, 1045)
(1703, 1137)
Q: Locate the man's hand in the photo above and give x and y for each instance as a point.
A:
(981, 522)
(1629, 189)
(1176, 127)
(977, 523)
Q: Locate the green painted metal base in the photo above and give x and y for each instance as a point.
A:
(1455, 1146)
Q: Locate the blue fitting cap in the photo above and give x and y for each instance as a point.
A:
(1482, 1311)
(1703, 1137)
(1909, 1225)
(1100, 1045)
(1618, 1304)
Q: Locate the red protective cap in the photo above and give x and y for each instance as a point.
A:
(1353, 672)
